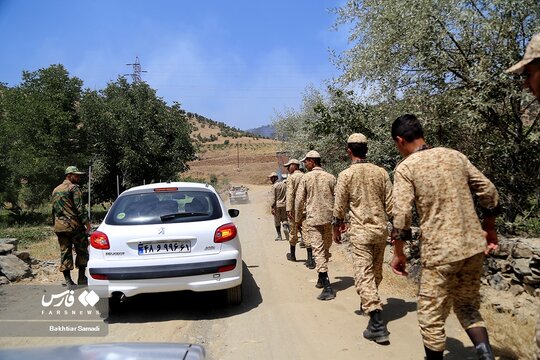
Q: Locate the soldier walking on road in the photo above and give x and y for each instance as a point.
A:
(71, 225)
(365, 191)
(277, 202)
(529, 68)
(295, 175)
(316, 193)
(439, 182)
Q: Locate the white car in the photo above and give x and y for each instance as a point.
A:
(166, 237)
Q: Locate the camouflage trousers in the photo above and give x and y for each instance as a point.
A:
(280, 215)
(69, 241)
(295, 234)
(320, 239)
(442, 287)
(367, 263)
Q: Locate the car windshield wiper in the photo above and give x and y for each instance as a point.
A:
(180, 215)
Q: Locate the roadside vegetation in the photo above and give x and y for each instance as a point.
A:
(443, 61)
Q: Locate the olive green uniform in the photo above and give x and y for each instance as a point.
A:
(69, 224)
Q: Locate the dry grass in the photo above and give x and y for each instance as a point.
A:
(47, 249)
(249, 163)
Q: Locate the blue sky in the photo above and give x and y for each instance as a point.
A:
(236, 61)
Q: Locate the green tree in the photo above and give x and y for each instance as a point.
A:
(444, 60)
(134, 135)
(41, 135)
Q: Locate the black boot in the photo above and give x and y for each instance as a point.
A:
(82, 280)
(376, 329)
(310, 262)
(278, 230)
(433, 355)
(67, 278)
(327, 293)
(292, 255)
(319, 284)
(484, 352)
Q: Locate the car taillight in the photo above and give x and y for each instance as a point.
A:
(99, 241)
(99, 276)
(225, 233)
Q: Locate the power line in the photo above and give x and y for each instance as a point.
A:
(137, 70)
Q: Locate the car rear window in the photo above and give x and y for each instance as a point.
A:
(164, 207)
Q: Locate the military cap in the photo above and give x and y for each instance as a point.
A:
(292, 161)
(73, 170)
(312, 154)
(357, 138)
(531, 52)
(272, 175)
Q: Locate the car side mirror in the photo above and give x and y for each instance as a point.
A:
(234, 212)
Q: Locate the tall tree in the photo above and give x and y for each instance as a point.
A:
(42, 134)
(444, 59)
(134, 135)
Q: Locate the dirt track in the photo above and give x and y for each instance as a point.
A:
(280, 317)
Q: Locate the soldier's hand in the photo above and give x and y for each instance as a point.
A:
(273, 211)
(336, 234)
(398, 264)
(492, 240)
(290, 215)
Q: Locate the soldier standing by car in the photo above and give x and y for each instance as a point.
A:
(365, 191)
(277, 202)
(295, 175)
(529, 68)
(439, 181)
(71, 225)
(316, 194)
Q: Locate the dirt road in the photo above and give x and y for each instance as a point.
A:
(280, 317)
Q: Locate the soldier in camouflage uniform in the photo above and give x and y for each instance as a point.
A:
(277, 202)
(529, 68)
(71, 225)
(365, 191)
(316, 194)
(293, 166)
(439, 182)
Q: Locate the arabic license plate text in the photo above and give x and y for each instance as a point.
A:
(151, 248)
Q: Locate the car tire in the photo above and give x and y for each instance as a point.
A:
(115, 304)
(233, 296)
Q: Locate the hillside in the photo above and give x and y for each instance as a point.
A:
(230, 156)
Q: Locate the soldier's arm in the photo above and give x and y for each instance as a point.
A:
(489, 201)
(341, 200)
(403, 199)
(79, 205)
(388, 199)
(300, 199)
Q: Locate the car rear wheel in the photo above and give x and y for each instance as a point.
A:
(233, 296)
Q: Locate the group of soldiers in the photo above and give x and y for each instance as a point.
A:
(364, 204)
(361, 202)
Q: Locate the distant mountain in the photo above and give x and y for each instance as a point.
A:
(267, 131)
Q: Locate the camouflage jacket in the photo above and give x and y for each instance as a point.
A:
(439, 181)
(278, 194)
(68, 208)
(365, 190)
(315, 194)
(292, 186)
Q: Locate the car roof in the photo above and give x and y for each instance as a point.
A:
(179, 185)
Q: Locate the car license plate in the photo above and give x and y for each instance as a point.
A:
(164, 247)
